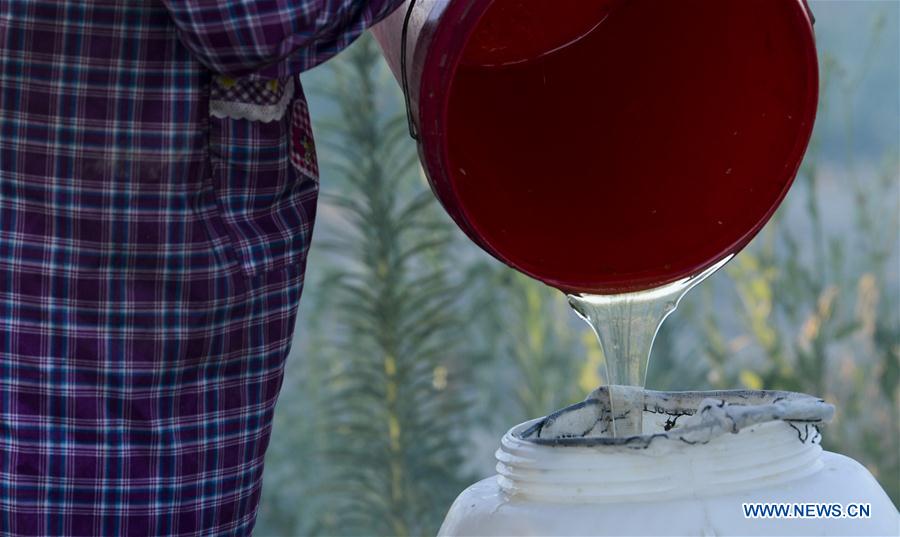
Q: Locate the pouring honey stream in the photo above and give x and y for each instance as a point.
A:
(626, 325)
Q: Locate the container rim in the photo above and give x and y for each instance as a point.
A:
(712, 414)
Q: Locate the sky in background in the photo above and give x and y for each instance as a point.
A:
(843, 29)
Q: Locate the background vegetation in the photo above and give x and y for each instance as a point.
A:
(415, 351)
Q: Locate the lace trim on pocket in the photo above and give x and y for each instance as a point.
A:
(255, 100)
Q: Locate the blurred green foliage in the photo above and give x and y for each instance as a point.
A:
(416, 351)
(384, 453)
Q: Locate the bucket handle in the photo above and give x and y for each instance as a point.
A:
(404, 82)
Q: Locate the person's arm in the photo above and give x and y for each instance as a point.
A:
(272, 38)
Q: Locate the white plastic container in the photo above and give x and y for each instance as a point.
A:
(703, 455)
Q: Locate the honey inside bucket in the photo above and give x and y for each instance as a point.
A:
(633, 144)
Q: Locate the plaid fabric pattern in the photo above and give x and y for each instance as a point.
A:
(237, 37)
(151, 257)
(303, 148)
(265, 204)
(258, 92)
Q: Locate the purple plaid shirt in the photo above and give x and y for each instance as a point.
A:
(157, 192)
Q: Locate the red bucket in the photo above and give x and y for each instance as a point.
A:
(608, 146)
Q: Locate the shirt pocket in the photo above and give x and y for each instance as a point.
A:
(264, 169)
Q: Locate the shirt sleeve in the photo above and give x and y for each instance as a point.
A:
(272, 38)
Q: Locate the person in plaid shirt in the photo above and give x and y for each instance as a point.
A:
(158, 186)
